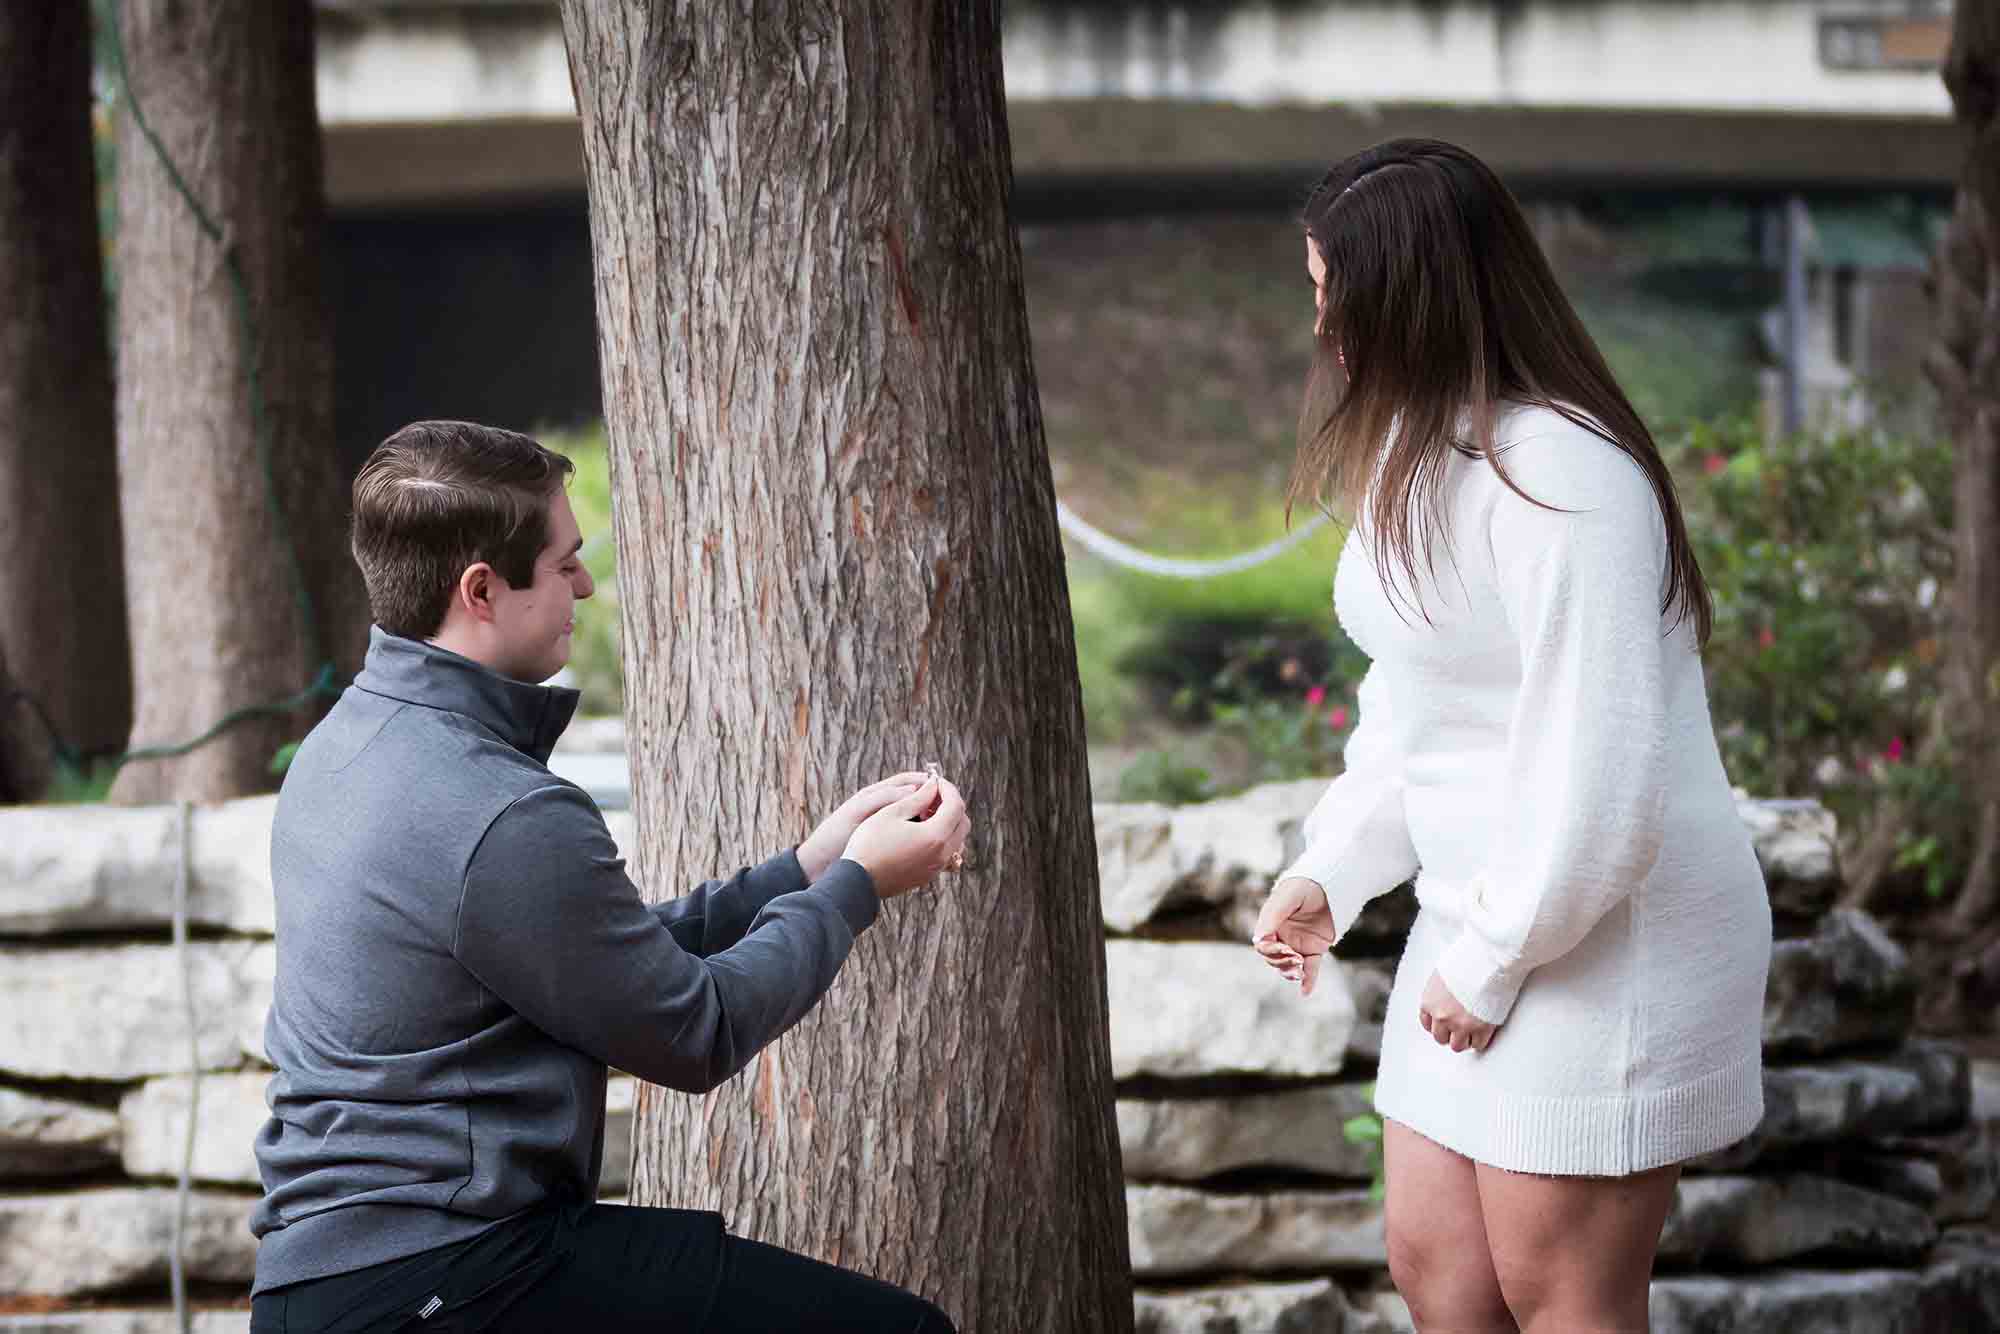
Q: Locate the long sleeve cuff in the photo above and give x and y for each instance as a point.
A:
(852, 890)
(778, 874)
(1346, 894)
(1483, 980)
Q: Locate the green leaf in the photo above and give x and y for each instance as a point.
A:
(1364, 1129)
(282, 760)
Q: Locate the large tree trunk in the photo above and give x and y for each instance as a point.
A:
(839, 558)
(62, 593)
(1965, 366)
(217, 619)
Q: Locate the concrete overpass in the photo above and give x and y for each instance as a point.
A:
(454, 164)
(438, 101)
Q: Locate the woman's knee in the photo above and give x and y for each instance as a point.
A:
(1443, 1287)
(1411, 1256)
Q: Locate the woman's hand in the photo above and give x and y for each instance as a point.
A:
(1295, 930)
(1449, 1022)
(823, 846)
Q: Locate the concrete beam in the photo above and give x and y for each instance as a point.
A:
(1151, 153)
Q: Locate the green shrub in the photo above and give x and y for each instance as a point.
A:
(89, 785)
(1828, 557)
(1366, 1129)
(1163, 775)
(1182, 648)
(1283, 734)
(1105, 634)
(1255, 733)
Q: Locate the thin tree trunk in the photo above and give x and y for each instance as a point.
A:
(217, 620)
(62, 595)
(1965, 365)
(24, 753)
(839, 558)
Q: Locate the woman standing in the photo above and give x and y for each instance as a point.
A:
(1578, 1008)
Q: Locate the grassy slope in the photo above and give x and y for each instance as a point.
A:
(1170, 356)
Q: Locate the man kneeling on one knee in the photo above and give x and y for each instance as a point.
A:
(461, 955)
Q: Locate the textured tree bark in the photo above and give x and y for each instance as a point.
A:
(216, 620)
(62, 605)
(1965, 366)
(839, 558)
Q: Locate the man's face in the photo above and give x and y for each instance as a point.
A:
(533, 624)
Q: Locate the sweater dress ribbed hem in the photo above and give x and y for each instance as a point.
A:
(1480, 1104)
(1598, 1137)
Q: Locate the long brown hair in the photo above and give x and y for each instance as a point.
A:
(1443, 306)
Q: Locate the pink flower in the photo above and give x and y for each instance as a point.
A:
(1766, 637)
(1338, 717)
(1714, 464)
(1315, 697)
(1894, 754)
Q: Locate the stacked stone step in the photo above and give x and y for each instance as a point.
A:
(1856, 1206)
(94, 1057)
(1249, 1209)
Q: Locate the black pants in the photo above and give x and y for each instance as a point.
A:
(586, 1269)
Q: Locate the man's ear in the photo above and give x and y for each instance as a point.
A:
(475, 591)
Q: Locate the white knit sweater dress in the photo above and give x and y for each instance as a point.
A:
(1539, 756)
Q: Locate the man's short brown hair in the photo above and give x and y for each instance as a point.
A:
(437, 497)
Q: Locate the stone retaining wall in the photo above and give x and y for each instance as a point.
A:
(1858, 1204)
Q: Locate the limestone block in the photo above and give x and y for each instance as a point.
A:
(223, 1320)
(1316, 1307)
(1369, 981)
(230, 1111)
(1955, 1177)
(259, 975)
(1958, 1290)
(233, 1109)
(1154, 859)
(1186, 1139)
(1797, 844)
(53, 1137)
(1846, 985)
(99, 868)
(1388, 1306)
(88, 1241)
(115, 1012)
(1737, 1222)
(1921, 1087)
(1175, 1231)
(1194, 1009)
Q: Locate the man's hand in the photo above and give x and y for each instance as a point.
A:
(1449, 1022)
(1295, 930)
(905, 844)
(823, 846)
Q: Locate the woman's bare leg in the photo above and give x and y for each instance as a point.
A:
(1438, 1254)
(1574, 1255)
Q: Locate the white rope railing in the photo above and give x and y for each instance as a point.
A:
(177, 1244)
(1103, 544)
(1120, 553)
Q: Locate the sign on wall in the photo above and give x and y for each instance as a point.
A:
(1884, 41)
